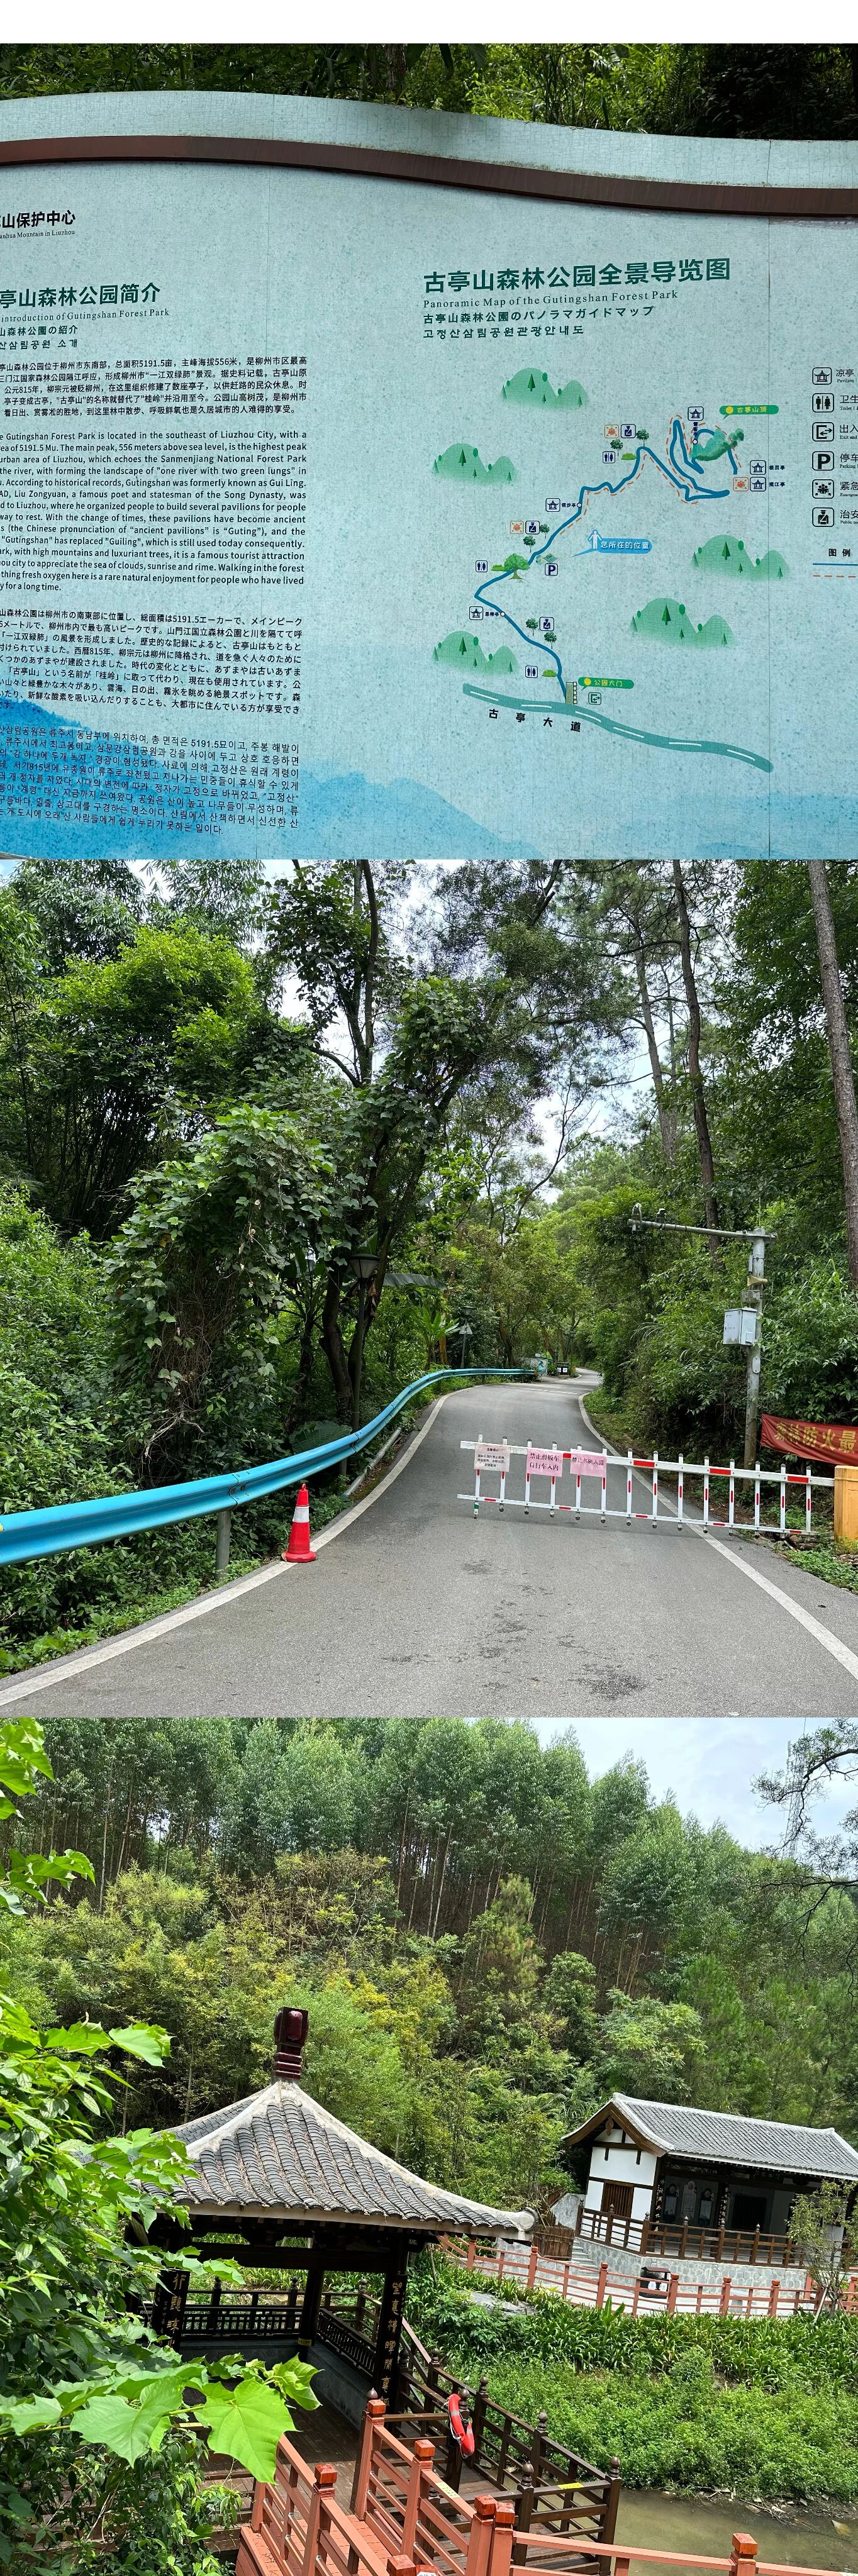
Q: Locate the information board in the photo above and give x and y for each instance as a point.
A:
(347, 516)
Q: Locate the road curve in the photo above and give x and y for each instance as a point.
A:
(418, 1610)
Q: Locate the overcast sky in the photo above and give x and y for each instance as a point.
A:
(708, 1764)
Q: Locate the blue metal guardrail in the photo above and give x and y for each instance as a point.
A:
(27, 1534)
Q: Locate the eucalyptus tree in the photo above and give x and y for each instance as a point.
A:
(790, 1012)
(840, 1051)
(408, 1035)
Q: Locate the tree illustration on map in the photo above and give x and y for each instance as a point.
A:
(666, 621)
(464, 653)
(531, 387)
(460, 464)
(729, 555)
(697, 468)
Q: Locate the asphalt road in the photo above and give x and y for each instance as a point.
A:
(416, 1609)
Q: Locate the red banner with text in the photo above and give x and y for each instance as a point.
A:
(827, 1440)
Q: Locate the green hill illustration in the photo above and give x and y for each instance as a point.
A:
(462, 652)
(716, 443)
(729, 555)
(461, 464)
(666, 621)
(531, 387)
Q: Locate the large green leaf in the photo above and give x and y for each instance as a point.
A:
(144, 2039)
(29, 2414)
(293, 2379)
(22, 1751)
(78, 2039)
(109, 2420)
(245, 2423)
(132, 2415)
(86, 2038)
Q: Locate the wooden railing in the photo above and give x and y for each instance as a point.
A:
(547, 2483)
(654, 2287)
(622, 2559)
(404, 2518)
(297, 2528)
(682, 2238)
(408, 2507)
(265, 2315)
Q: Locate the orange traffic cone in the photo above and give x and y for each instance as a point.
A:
(299, 1551)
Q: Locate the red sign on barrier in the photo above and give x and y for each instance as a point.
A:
(544, 1462)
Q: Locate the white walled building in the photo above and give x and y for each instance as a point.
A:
(667, 2178)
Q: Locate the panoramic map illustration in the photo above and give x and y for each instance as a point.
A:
(664, 620)
(425, 523)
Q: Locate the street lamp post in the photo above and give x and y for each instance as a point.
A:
(757, 1237)
(364, 1263)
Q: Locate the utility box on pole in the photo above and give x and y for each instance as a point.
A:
(740, 1324)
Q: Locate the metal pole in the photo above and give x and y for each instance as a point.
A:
(222, 1541)
(756, 1284)
(358, 1356)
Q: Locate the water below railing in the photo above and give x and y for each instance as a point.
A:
(790, 2536)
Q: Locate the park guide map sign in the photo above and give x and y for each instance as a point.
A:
(427, 513)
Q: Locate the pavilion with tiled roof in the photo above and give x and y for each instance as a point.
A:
(279, 2184)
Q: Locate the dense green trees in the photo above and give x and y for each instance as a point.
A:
(99, 2426)
(215, 1086)
(487, 1941)
(719, 89)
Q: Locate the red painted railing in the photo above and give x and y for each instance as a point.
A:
(655, 2287)
(405, 2519)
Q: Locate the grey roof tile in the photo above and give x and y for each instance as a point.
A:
(773, 2146)
(278, 2150)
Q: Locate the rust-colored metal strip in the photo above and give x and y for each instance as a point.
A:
(434, 170)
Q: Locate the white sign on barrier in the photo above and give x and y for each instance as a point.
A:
(595, 1462)
(544, 1462)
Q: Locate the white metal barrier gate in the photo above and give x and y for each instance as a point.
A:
(493, 1457)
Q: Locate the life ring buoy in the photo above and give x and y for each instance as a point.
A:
(462, 2433)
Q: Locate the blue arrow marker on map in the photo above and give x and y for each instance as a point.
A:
(599, 545)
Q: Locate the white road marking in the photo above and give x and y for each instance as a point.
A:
(25, 1685)
(824, 1636)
